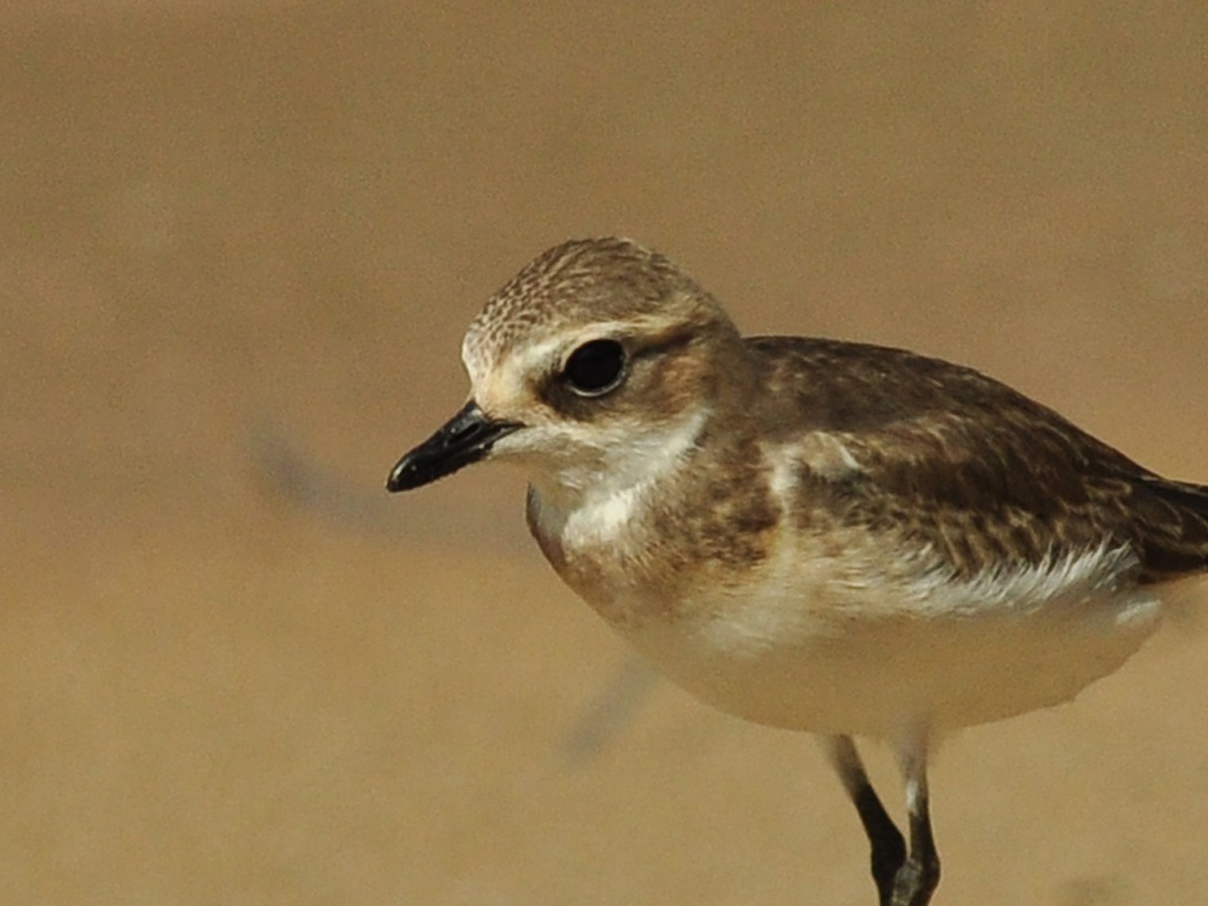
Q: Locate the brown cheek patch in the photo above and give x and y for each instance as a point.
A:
(676, 383)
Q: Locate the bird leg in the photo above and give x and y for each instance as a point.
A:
(919, 875)
(888, 846)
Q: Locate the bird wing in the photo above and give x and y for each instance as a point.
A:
(957, 461)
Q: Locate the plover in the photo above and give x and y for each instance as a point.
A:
(827, 536)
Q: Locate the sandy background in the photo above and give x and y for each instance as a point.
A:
(238, 246)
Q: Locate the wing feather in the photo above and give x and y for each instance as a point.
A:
(960, 462)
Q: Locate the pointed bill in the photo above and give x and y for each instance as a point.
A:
(466, 438)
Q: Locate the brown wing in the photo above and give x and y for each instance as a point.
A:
(960, 461)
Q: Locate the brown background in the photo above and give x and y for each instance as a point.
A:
(239, 243)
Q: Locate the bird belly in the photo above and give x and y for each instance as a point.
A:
(873, 661)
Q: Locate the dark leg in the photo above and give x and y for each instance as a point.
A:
(888, 847)
(920, 874)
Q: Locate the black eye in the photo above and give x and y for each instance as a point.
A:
(595, 368)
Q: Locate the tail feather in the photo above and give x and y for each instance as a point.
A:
(1174, 530)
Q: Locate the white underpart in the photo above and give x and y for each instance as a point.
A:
(764, 617)
(839, 646)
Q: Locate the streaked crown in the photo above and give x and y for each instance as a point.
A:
(606, 283)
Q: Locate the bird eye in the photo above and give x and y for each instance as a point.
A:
(595, 368)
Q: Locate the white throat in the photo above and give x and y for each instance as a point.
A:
(587, 507)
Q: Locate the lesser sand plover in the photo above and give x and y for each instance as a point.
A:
(825, 536)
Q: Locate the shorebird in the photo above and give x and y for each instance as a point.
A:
(834, 537)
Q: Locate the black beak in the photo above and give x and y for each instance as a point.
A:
(466, 438)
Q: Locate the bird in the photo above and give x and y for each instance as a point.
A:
(851, 540)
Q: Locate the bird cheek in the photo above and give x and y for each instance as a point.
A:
(536, 445)
(515, 446)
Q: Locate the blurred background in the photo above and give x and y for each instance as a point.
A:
(239, 243)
